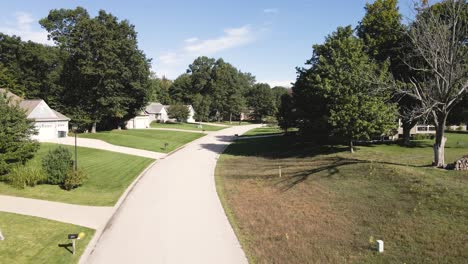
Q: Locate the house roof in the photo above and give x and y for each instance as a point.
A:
(154, 108)
(36, 109)
(29, 105)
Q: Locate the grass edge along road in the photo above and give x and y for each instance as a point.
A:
(187, 126)
(110, 173)
(330, 205)
(146, 139)
(30, 239)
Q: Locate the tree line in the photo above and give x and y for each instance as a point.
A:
(96, 75)
(361, 80)
(218, 91)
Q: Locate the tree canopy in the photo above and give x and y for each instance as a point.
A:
(105, 74)
(342, 94)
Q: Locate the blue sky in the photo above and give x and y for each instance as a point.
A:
(267, 38)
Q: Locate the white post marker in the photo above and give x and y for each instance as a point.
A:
(1, 236)
(380, 246)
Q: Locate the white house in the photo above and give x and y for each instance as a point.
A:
(49, 123)
(153, 112)
(157, 112)
(139, 121)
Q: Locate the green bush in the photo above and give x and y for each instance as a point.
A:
(20, 177)
(74, 179)
(57, 165)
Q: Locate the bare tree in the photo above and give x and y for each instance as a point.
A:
(439, 39)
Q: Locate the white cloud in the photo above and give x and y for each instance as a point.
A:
(173, 63)
(271, 11)
(232, 37)
(22, 26)
(191, 40)
(273, 83)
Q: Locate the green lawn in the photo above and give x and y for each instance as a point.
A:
(187, 126)
(236, 123)
(110, 173)
(329, 203)
(147, 139)
(36, 240)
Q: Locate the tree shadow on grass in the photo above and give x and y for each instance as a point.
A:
(331, 168)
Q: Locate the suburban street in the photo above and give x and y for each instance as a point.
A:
(173, 214)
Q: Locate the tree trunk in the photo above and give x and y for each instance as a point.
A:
(93, 128)
(407, 126)
(439, 145)
(230, 118)
(351, 147)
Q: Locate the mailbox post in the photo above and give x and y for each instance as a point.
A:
(73, 238)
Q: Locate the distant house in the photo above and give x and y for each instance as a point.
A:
(154, 112)
(139, 121)
(49, 123)
(157, 112)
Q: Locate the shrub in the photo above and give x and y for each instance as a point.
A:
(74, 179)
(20, 177)
(57, 164)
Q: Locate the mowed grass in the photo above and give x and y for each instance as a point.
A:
(236, 123)
(187, 126)
(328, 203)
(146, 139)
(36, 240)
(110, 173)
(267, 130)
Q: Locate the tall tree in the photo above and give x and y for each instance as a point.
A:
(159, 89)
(228, 93)
(180, 89)
(439, 36)
(35, 69)
(349, 88)
(385, 41)
(278, 92)
(106, 75)
(260, 99)
(286, 113)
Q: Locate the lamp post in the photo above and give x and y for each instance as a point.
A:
(74, 128)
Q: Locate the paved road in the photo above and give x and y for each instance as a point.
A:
(89, 216)
(173, 214)
(99, 144)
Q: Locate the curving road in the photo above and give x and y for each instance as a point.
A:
(173, 214)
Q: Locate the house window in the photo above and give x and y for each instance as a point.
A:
(431, 128)
(62, 134)
(422, 128)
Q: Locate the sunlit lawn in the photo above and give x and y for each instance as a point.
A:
(33, 240)
(328, 203)
(187, 126)
(146, 139)
(110, 173)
